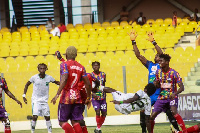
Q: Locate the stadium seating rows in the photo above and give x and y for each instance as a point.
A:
(107, 43)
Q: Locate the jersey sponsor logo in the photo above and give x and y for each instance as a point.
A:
(47, 83)
(166, 85)
(164, 93)
(152, 79)
(76, 68)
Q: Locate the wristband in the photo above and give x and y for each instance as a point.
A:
(24, 95)
(133, 42)
(154, 42)
(121, 102)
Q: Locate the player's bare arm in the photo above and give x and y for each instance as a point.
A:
(63, 82)
(181, 88)
(133, 36)
(88, 87)
(130, 100)
(25, 90)
(56, 82)
(152, 40)
(13, 97)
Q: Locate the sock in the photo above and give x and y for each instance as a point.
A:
(180, 121)
(33, 123)
(84, 129)
(142, 122)
(49, 126)
(68, 128)
(77, 128)
(172, 119)
(193, 129)
(152, 125)
(102, 119)
(7, 130)
(98, 120)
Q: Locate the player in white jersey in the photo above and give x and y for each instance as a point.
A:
(131, 102)
(40, 96)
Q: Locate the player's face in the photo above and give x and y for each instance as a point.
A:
(163, 63)
(156, 59)
(96, 67)
(42, 69)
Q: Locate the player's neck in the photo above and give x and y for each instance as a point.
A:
(165, 69)
(96, 72)
(70, 59)
(42, 75)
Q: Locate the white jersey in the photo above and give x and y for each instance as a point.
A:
(144, 102)
(41, 88)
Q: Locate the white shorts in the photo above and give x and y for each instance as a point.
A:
(40, 109)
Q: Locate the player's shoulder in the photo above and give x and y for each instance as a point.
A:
(103, 73)
(34, 76)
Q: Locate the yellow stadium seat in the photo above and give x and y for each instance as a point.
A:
(193, 24)
(64, 35)
(159, 21)
(43, 51)
(14, 52)
(189, 28)
(186, 20)
(168, 21)
(96, 25)
(53, 49)
(102, 48)
(82, 48)
(169, 51)
(150, 21)
(87, 26)
(83, 35)
(92, 48)
(121, 46)
(33, 51)
(105, 24)
(40, 59)
(179, 20)
(4, 53)
(123, 23)
(78, 26)
(179, 50)
(69, 26)
(183, 24)
(109, 29)
(93, 35)
(100, 54)
(111, 47)
(114, 23)
(170, 29)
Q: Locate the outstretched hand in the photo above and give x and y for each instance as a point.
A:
(54, 99)
(19, 103)
(25, 100)
(150, 35)
(132, 35)
(58, 55)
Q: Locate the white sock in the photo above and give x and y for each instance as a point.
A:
(33, 123)
(49, 126)
(98, 128)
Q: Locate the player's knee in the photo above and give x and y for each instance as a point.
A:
(98, 112)
(47, 118)
(104, 114)
(35, 118)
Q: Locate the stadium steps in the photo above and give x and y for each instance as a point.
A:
(187, 40)
(37, 12)
(191, 81)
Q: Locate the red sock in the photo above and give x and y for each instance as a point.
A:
(7, 130)
(84, 129)
(193, 129)
(68, 128)
(98, 120)
(152, 125)
(102, 119)
(180, 121)
(77, 128)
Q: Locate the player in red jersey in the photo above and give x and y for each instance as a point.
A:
(167, 79)
(81, 85)
(3, 113)
(70, 105)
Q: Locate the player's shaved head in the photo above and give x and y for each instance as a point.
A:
(150, 89)
(71, 52)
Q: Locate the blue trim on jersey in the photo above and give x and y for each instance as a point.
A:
(152, 68)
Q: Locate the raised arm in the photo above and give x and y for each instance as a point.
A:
(151, 39)
(133, 36)
(63, 82)
(130, 100)
(25, 90)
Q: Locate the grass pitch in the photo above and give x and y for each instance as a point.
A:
(159, 128)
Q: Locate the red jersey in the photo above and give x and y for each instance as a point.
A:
(81, 86)
(71, 94)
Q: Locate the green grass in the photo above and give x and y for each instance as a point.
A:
(159, 128)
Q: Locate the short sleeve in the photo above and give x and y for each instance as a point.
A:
(178, 77)
(140, 93)
(84, 72)
(4, 84)
(32, 79)
(147, 64)
(63, 68)
(51, 79)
